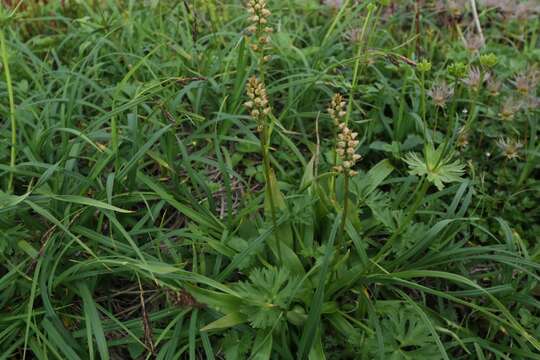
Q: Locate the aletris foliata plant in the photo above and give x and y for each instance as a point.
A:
(233, 217)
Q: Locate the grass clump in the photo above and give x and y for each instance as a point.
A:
(269, 180)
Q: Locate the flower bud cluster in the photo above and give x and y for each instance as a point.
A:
(346, 150)
(259, 29)
(258, 99)
(337, 108)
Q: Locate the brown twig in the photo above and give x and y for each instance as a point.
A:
(148, 337)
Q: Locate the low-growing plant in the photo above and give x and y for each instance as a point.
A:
(269, 180)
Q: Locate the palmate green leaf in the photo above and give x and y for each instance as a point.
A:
(267, 295)
(438, 169)
(507, 317)
(405, 336)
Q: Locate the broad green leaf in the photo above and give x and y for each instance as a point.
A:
(226, 321)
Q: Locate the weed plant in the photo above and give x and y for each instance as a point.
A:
(285, 179)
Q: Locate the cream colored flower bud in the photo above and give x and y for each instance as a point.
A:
(347, 164)
(340, 152)
(268, 30)
(353, 173)
(357, 157)
(341, 144)
(266, 12)
(248, 104)
(255, 113)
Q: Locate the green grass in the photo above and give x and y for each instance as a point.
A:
(145, 214)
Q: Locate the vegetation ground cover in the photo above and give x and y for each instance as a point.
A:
(285, 179)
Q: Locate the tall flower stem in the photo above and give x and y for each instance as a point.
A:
(345, 211)
(265, 143)
(531, 152)
(346, 149)
(423, 104)
(11, 99)
(268, 171)
(452, 114)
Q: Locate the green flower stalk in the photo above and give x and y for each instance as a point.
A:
(338, 113)
(260, 111)
(346, 150)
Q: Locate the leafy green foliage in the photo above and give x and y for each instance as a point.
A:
(266, 295)
(436, 168)
(404, 334)
(144, 214)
